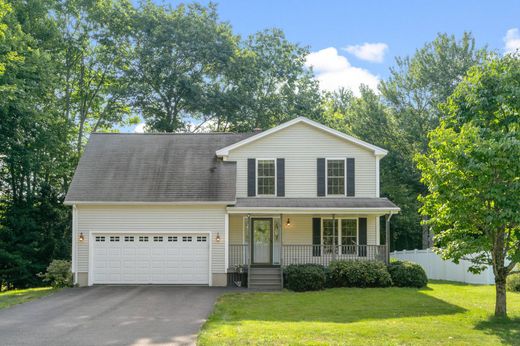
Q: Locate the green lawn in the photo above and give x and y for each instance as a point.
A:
(442, 314)
(9, 298)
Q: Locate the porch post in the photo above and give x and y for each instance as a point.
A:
(334, 237)
(250, 245)
(387, 237)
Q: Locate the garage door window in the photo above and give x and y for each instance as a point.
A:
(157, 238)
(142, 238)
(201, 238)
(129, 238)
(186, 238)
(172, 238)
(114, 238)
(100, 238)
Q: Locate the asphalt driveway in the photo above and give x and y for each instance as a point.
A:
(110, 315)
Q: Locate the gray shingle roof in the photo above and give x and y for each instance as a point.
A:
(154, 168)
(323, 202)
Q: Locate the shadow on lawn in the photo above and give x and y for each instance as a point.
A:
(340, 305)
(507, 329)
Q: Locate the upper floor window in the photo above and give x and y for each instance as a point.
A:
(335, 177)
(266, 177)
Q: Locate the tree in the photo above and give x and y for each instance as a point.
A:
(412, 93)
(472, 173)
(266, 84)
(93, 49)
(178, 58)
(34, 146)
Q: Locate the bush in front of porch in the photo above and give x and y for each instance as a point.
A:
(359, 274)
(314, 277)
(305, 277)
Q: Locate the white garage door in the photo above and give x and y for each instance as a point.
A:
(150, 259)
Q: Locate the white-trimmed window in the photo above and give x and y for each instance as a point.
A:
(329, 235)
(266, 177)
(342, 232)
(335, 177)
(349, 236)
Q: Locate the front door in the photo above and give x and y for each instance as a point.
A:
(262, 240)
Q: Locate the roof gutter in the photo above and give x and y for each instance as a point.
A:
(294, 210)
(148, 203)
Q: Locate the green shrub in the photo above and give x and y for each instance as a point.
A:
(359, 274)
(304, 277)
(513, 283)
(407, 274)
(58, 274)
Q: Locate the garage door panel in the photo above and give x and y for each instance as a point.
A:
(149, 259)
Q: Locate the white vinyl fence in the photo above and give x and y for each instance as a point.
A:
(438, 269)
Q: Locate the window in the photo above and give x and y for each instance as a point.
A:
(157, 238)
(335, 177)
(143, 238)
(186, 238)
(348, 235)
(201, 238)
(100, 238)
(129, 238)
(330, 235)
(172, 238)
(342, 232)
(266, 181)
(114, 238)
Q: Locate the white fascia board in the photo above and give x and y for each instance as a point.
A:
(371, 211)
(377, 150)
(148, 203)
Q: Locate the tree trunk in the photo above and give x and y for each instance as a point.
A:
(426, 237)
(500, 304)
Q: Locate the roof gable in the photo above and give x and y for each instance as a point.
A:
(375, 149)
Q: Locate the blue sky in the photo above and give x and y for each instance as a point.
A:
(390, 28)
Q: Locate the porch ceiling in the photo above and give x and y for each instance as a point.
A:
(314, 205)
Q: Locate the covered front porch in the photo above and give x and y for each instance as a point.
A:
(262, 234)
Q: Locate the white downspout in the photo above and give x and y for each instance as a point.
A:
(74, 243)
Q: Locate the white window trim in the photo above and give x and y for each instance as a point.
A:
(275, 176)
(327, 176)
(338, 232)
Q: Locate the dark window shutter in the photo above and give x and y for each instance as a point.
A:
(321, 176)
(362, 236)
(316, 236)
(251, 177)
(280, 177)
(351, 177)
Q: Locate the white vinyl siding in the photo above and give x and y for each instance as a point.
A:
(300, 145)
(150, 219)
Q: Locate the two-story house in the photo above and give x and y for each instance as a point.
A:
(192, 208)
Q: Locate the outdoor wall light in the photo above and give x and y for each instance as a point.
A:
(218, 237)
(81, 237)
(288, 223)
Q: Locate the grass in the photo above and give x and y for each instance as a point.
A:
(444, 313)
(10, 298)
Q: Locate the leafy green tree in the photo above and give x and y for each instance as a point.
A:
(177, 59)
(34, 146)
(472, 173)
(415, 88)
(266, 84)
(93, 50)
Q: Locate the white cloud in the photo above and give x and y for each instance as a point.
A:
(334, 71)
(512, 40)
(373, 52)
(139, 128)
